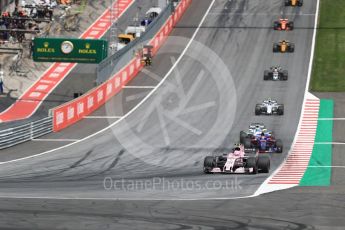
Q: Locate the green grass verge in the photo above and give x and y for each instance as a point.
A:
(322, 154)
(329, 69)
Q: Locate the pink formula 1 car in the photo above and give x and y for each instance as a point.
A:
(238, 161)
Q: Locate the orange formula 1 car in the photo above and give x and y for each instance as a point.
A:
(283, 47)
(293, 2)
(283, 24)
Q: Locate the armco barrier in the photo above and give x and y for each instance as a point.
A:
(23, 133)
(73, 111)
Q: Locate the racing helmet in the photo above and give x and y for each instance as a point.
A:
(237, 147)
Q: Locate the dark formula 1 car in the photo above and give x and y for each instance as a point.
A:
(293, 2)
(269, 107)
(283, 47)
(262, 140)
(237, 161)
(276, 73)
(283, 24)
(254, 129)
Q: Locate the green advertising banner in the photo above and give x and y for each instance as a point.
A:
(69, 50)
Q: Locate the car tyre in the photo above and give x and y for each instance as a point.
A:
(247, 143)
(257, 110)
(292, 48)
(264, 163)
(243, 135)
(279, 146)
(275, 48)
(285, 75)
(280, 110)
(276, 25)
(252, 163)
(266, 75)
(208, 164)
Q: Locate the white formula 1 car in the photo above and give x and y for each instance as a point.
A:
(269, 107)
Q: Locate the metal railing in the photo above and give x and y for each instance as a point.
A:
(26, 132)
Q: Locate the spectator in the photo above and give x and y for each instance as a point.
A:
(1, 81)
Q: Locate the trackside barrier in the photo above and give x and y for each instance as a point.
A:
(26, 132)
(74, 111)
(114, 63)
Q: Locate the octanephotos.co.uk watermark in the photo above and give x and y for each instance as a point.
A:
(167, 184)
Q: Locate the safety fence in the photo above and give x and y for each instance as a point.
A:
(26, 132)
(74, 111)
(114, 63)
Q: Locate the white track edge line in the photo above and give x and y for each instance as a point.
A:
(102, 117)
(135, 108)
(55, 140)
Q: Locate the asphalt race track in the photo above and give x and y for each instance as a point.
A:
(156, 152)
(292, 209)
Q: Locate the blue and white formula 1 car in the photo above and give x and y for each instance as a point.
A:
(254, 129)
(269, 107)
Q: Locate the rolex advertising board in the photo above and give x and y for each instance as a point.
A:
(69, 50)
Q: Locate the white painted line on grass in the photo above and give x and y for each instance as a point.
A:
(332, 119)
(327, 166)
(329, 143)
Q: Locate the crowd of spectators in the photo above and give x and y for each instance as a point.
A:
(26, 17)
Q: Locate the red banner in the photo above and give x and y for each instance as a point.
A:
(73, 111)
